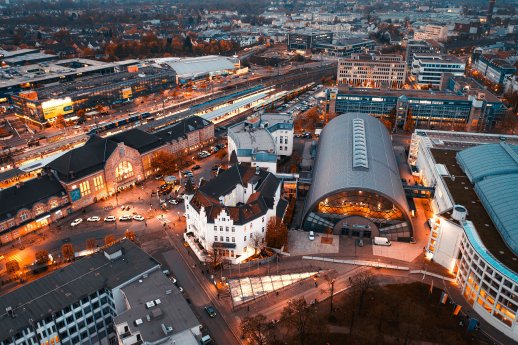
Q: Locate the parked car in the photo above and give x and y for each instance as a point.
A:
(93, 219)
(110, 219)
(196, 167)
(159, 177)
(210, 310)
(76, 222)
(359, 243)
(125, 218)
(138, 217)
(311, 236)
(173, 201)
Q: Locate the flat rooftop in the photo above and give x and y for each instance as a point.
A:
(462, 140)
(87, 85)
(166, 306)
(437, 58)
(70, 284)
(441, 95)
(16, 75)
(463, 193)
(257, 139)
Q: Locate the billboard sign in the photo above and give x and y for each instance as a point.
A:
(127, 93)
(57, 107)
(75, 194)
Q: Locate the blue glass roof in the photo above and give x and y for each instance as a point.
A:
(488, 160)
(498, 195)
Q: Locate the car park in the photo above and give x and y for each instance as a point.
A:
(110, 219)
(93, 219)
(210, 310)
(76, 222)
(138, 217)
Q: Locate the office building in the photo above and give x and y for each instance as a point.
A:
(229, 214)
(77, 303)
(421, 47)
(261, 140)
(372, 70)
(491, 68)
(308, 39)
(361, 179)
(461, 105)
(345, 48)
(473, 230)
(429, 70)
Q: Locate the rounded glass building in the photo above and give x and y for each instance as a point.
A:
(356, 187)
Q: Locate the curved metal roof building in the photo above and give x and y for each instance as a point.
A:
(356, 174)
(493, 168)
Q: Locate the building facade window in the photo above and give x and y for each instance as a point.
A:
(39, 210)
(124, 171)
(24, 216)
(98, 183)
(54, 203)
(84, 187)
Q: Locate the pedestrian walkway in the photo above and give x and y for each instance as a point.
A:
(376, 264)
(425, 273)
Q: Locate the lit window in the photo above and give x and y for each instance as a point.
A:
(98, 183)
(123, 171)
(84, 187)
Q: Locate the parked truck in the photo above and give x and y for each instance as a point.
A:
(381, 241)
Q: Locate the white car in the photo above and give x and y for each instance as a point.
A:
(138, 217)
(93, 219)
(125, 218)
(311, 236)
(110, 219)
(173, 201)
(76, 222)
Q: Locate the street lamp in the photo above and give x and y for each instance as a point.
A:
(115, 191)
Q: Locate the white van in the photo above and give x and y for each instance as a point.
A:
(205, 340)
(382, 241)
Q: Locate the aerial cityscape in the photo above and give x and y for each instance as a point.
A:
(271, 172)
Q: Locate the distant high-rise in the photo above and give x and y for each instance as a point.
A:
(489, 16)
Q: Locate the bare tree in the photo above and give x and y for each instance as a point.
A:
(255, 328)
(130, 235)
(42, 256)
(67, 251)
(214, 258)
(255, 242)
(12, 266)
(109, 239)
(91, 243)
(276, 233)
(362, 283)
(330, 280)
(301, 317)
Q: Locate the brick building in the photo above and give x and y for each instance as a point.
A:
(92, 172)
(30, 206)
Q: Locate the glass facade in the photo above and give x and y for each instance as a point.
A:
(329, 211)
